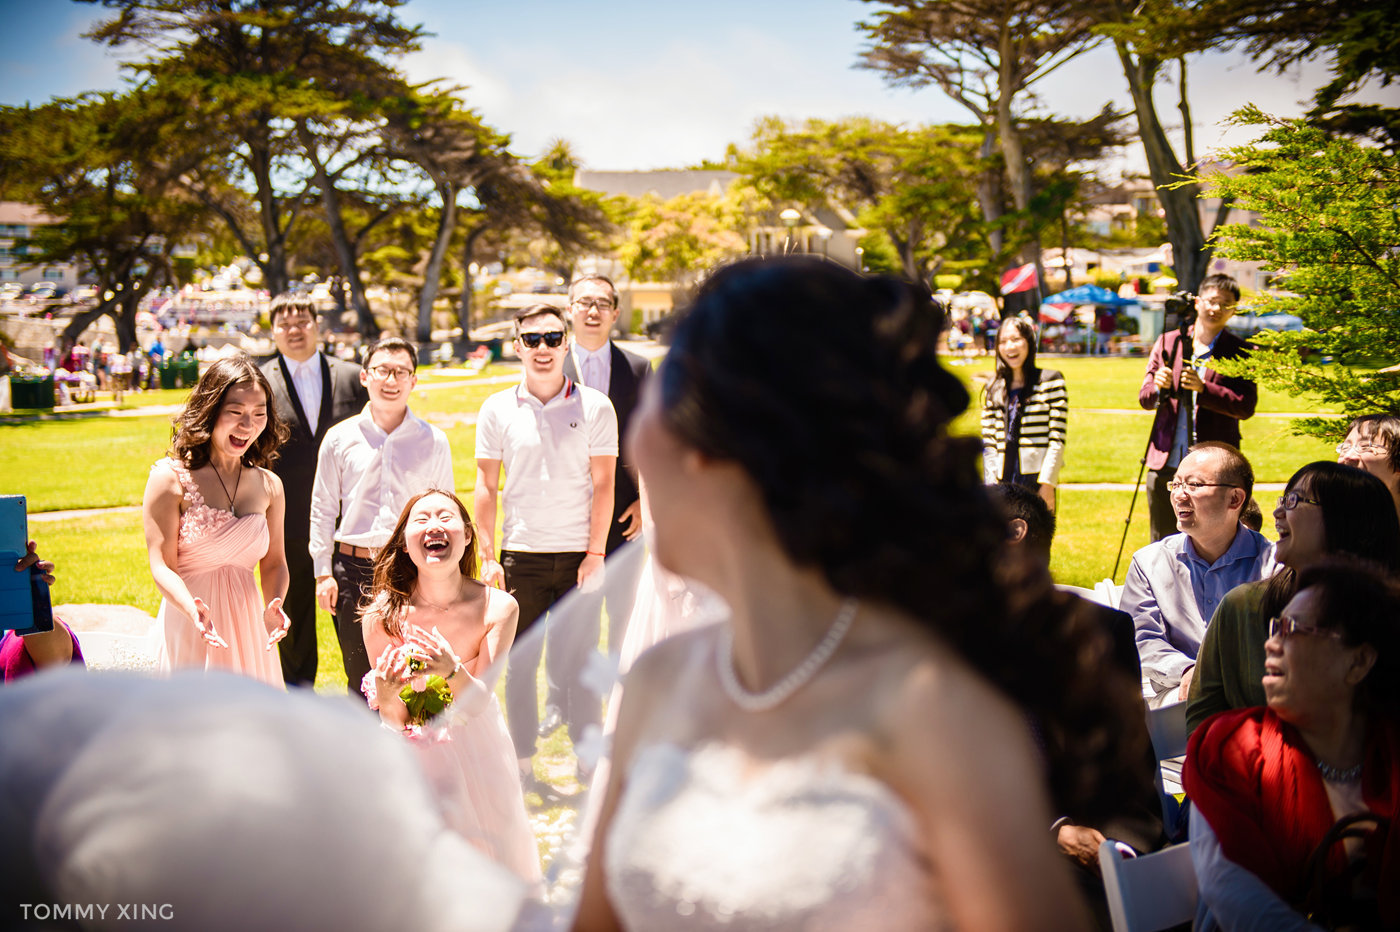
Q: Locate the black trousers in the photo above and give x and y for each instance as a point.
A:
(1160, 514)
(352, 578)
(298, 648)
(538, 580)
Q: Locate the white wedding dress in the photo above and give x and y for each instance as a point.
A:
(709, 838)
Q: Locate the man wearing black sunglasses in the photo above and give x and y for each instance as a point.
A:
(557, 440)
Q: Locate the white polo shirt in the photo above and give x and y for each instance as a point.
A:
(546, 449)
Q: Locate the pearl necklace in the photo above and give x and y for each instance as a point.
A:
(785, 687)
(1337, 774)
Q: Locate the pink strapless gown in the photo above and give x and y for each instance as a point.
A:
(218, 553)
(469, 760)
(474, 778)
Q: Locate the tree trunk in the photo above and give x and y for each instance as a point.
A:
(432, 275)
(1190, 253)
(1065, 250)
(904, 247)
(122, 309)
(1018, 172)
(125, 322)
(344, 251)
(989, 193)
(274, 267)
(464, 308)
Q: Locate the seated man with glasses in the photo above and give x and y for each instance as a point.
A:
(369, 467)
(1174, 585)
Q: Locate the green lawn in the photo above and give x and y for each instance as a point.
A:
(1107, 433)
(97, 462)
(1114, 381)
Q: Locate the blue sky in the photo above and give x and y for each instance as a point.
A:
(636, 84)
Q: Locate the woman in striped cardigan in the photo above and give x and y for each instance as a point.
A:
(1024, 410)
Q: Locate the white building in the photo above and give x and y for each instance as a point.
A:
(17, 223)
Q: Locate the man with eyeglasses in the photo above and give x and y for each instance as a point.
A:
(312, 393)
(1174, 585)
(369, 467)
(1194, 403)
(596, 361)
(558, 443)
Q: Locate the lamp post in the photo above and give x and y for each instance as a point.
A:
(824, 236)
(790, 218)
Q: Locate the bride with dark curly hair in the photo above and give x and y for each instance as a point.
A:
(870, 739)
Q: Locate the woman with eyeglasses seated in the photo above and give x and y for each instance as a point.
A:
(1373, 444)
(1271, 786)
(848, 748)
(1327, 509)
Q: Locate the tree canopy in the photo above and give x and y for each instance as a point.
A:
(1328, 226)
(107, 166)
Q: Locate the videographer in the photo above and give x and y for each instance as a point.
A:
(1194, 403)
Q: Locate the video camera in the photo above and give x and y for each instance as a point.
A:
(1180, 311)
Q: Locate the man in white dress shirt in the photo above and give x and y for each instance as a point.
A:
(368, 469)
(558, 442)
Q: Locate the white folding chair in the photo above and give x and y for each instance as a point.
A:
(1149, 892)
(1167, 729)
(1109, 592)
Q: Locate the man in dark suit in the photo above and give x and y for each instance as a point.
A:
(312, 392)
(1198, 403)
(599, 363)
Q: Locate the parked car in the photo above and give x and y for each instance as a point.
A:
(45, 291)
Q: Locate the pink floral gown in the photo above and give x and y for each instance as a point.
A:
(217, 555)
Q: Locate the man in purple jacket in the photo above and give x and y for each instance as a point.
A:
(1198, 404)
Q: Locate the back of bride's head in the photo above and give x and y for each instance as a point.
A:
(824, 386)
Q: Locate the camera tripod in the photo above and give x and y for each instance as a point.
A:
(1188, 320)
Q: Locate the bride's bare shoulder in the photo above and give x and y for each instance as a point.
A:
(669, 660)
(939, 697)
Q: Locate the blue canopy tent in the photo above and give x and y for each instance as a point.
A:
(1089, 294)
(1058, 307)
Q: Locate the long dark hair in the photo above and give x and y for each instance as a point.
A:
(396, 576)
(995, 393)
(825, 387)
(1357, 599)
(1358, 519)
(194, 424)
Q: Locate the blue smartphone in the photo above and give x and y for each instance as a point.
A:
(24, 597)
